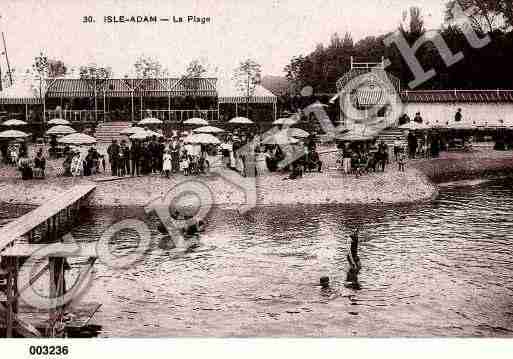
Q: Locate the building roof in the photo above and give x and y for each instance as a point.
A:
(19, 93)
(153, 87)
(229, 92)
(444, 96)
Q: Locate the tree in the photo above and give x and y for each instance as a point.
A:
(56, 68)
(96, 77)
(295, 74)
(191, 79)
(149, 67)
(41, 66)
(247, 76)
(485, 15)
(414, 23)
(195, 69)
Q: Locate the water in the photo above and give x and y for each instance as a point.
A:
(439, 269)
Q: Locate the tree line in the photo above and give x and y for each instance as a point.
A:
(485, 68)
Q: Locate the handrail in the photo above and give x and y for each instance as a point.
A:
(28, 222)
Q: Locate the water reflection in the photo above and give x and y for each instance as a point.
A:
(440, 269)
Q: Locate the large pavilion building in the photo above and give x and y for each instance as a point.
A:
(172, 100)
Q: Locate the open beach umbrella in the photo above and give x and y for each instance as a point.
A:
(208, 129)
(131, 130)
(196, 122)
(77, 139)
(139, 135)
(151, 133)
(297, 133)
(241, 121)
(202, 138)
(14, 123)
(13, 134)
(60, 130)
(280, 138)
(150, 121)
(58, 121)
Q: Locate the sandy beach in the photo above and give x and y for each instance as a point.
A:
(330, 186)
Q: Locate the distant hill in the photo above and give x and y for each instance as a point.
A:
(278, 85)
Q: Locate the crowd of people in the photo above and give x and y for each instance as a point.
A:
(361, 158)
(16, 154)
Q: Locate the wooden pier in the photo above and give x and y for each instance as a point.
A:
(21, 239)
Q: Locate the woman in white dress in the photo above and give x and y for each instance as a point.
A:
(76, 165)
(166, 160)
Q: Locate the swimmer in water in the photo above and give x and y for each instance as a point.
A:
(354, 262)
(352, 257)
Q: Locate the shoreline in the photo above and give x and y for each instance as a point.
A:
(420, 183)
(271, 190)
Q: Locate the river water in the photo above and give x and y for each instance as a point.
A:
(438, 269)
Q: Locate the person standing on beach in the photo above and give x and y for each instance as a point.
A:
(398, 147)
(113, 152)
(126, 158)
(174, 147)
(135, 153)
(166, 160)
(401, 161)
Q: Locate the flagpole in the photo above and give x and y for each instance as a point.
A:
(7, 59)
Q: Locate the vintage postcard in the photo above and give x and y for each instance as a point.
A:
(255, 169)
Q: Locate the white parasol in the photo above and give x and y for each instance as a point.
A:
(202, 138)
(241, 121)
(196, 122)
(58, 121)
(60, 130)
(77, 139)
(13, 134)
(150, 121)
(208, 129)
(14, 123)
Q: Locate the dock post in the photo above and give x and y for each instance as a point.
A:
(12, 297)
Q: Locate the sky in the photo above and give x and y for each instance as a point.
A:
(269, 31)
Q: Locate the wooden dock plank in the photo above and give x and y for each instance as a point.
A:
(21, 226)
(62, 250)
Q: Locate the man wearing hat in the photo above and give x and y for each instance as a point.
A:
(113, 152)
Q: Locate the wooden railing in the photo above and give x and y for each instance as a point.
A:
(78, 115)
(179, 116)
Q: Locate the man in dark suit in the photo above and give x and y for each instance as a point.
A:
(113, 152)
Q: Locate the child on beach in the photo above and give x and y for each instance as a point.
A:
(166, 159)
(184, 164)
(401, 159)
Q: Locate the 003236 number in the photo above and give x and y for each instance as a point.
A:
(48, 350)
